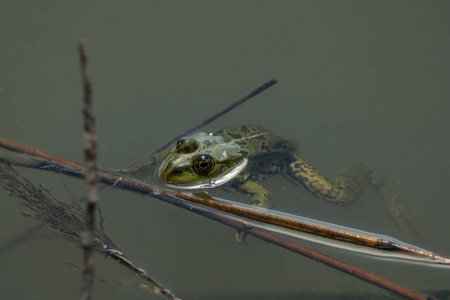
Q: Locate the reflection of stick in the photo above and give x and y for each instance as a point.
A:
(76, 170)
(90, 162)
(21, 238)
(208, 120)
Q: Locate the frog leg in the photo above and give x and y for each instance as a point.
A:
(346, 189)
(404, 223)
(260, 196)
(240, 236)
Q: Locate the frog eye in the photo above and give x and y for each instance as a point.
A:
(187, 145)
(203, 164)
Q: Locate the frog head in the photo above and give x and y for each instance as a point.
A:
(202, 161)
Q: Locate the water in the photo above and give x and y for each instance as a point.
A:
(363, 82)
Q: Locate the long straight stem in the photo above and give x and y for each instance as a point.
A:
(211, 118)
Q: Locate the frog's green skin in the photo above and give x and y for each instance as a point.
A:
(267, 154)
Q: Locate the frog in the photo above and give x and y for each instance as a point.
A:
(245, 155)
(241, 157)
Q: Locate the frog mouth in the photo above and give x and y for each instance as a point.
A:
(213, 182)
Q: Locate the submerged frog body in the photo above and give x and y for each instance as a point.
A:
(244, 154)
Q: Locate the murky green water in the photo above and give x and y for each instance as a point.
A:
(358, 82)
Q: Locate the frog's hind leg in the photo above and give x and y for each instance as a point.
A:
(348, 187)
(404, 223)
(345, 190)
(260, 196)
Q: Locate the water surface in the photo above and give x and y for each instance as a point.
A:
(359, 82)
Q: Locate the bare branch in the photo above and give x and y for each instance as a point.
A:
(206, 121)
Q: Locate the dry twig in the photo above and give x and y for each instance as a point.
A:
(148, 159)
(90, 163)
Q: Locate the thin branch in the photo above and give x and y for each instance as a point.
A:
(208, 120)
(90, 162)
(324, 259)
(338, 265)
(174, 196)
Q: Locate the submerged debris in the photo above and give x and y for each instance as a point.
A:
(43, 206)
(67, 219)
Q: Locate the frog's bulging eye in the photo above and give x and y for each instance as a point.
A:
(203, 164)
(187, 145)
